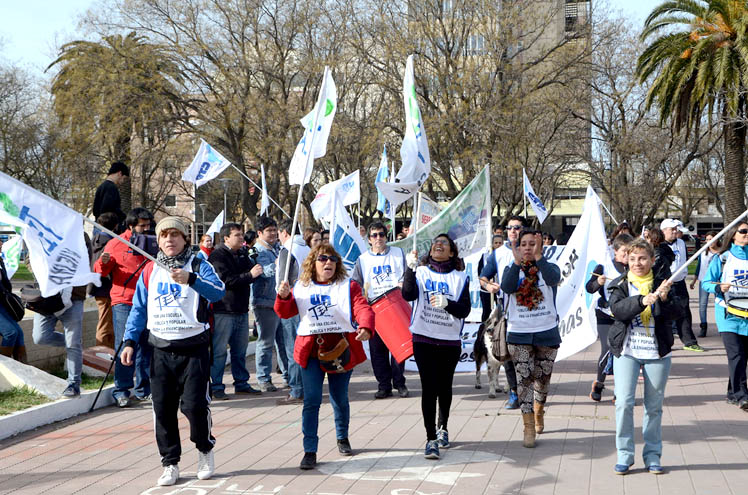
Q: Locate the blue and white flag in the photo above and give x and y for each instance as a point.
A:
(53, 234)
(11, 254)
(265, 200)
(537, 206)
(414, 152)
(207, 165)
(344, 235)
(349, 190)
(383, 173)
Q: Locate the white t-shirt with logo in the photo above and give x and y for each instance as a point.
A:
(433, 322)
(324, 308)
(172, 307)
(640, 341)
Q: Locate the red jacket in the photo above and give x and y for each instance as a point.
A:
(306, 345)
(123, 262)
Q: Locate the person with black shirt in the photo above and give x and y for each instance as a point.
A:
(107, 198)
(237, 271)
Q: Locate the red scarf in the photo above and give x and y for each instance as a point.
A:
(206, 250)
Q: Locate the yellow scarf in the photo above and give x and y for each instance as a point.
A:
(644, 286)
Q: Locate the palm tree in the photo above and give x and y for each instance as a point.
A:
(699, 63)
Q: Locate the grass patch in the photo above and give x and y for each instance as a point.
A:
(88, 382)
(23, 273)
(19, 398)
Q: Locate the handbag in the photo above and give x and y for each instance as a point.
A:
(333, 352)
(13, 304)
(498, 325)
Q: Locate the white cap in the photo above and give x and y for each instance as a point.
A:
(669, 223)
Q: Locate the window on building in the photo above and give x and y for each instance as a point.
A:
(170, 201)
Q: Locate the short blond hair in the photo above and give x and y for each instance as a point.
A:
(641, 244)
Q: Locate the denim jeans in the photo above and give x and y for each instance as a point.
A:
(72, 323)
(703, 302)
(10, 330)
(123, 375)
(294, 370)
(231, 330)
(312, 376)
(280, 352)
(626, 373)
(268, 324)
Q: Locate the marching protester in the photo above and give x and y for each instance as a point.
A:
(378, 271)
(702, 266)
(172, 304)
(621, 228)
(334, 319)
(600, 283)
(494, 269)
(298, 250)
(107, 198)
(262, 300)
(325, 236)
(532, 334)
(683, 324)
(105, 326)
(312, 237)
(231, 313)
(12, 344)
(206, 246)
(725, 278)
(124, 265)
(641, 339)
(439, 286)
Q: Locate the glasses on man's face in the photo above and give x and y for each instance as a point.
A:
(742, 231)
(374, 235)
(323, 258)
(441, 241)
(514, 227)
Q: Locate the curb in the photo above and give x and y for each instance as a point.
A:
(44, 414)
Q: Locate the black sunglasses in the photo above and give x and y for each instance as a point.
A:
(323, 258)
(377, 234)
(742, 231)
(514, 227)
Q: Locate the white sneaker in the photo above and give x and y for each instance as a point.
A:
(170, 476)
(205, 465)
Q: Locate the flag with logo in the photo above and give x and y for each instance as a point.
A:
(265, 200)
(53, 234)
(537, 206)
(217, 224)
(11, 254)
(427, 209)
(344, 235)
(383, 174)
(317, 125)
(207, 165)
(414, 152)
(349, 189)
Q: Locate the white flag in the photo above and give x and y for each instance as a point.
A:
(383, 174)
(537, 206)
(265, 200)
(207, 164)
(344, 235)
(217, 224)
(414, 152)
(11, 254)
(317, 125)
(427, 210)
(349, 189)
(397, 192)
(53, 234)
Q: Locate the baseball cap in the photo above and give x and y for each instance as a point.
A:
(669, 223)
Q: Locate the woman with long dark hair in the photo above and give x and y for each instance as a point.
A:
(440, 288)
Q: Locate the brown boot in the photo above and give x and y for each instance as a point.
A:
(539, 420)
(529, 439)
(6, 351)
(19, 354)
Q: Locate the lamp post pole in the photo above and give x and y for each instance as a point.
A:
(225, 183)
(202, 207)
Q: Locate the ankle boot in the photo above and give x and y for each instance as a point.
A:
(702, 333)
(539, 420)
(529, 433)
(19, 354)
(6, 351)
(596, 393)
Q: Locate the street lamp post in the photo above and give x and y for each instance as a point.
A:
(202, 207)
(225, 183)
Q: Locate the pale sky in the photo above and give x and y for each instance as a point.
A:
(31, 29)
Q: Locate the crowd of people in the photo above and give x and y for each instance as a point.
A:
(175, 322)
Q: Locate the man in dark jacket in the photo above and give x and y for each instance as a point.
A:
(107, 198)
(237, 271)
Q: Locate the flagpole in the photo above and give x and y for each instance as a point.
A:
(255, 184)
(136, 248)
(609, 213)
(417, 211)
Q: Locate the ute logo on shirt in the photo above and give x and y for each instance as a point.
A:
(168, 295)
(382, 273)
(321, 305)
(433, 288)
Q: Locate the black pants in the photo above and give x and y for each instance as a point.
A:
(683, 325)
(386, 368)
(436, 366)
(181, 381)
(602, 332)
(736, 347)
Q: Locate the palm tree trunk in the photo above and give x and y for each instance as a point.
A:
(735, 133)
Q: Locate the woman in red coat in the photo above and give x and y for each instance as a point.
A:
(335, 319)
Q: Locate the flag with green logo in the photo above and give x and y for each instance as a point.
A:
(11, 254)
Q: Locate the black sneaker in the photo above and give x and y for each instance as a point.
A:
(596, 393)
(403, 391)
(247, 390)
(220, 395)
(309, 460)
(743, 404)
(71, 391)
(268, 387)
(344, 447)
(381, 394)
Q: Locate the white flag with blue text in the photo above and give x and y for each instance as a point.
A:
(53, 234)
(317, 125)
(383, 173)
(11, 254)
(207, 165)
(414, 152)
(344, 235)
(537, 206)
(265, 200)
(349, 189)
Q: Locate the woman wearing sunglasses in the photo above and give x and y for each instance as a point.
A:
(439, 286)
(532, 327)
(726, 278)
(335, 318)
